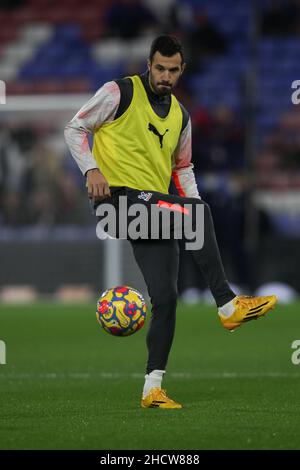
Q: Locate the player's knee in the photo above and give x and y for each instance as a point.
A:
(166, 296)
(207, 210)
(207, 207)
(199, 217)
(201, 202)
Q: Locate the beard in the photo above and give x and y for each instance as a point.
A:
(160, 88)
(163, 90)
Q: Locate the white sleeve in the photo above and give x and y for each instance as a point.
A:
(101, 108)
(183, 174)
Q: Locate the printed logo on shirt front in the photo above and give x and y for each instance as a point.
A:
(153, 129)
(145, 196)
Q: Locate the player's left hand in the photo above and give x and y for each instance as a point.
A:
(98, 188)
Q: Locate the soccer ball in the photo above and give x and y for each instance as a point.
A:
(121, 311)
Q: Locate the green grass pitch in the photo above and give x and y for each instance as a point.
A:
(69, 385)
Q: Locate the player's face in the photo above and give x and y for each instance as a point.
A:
(164, 72)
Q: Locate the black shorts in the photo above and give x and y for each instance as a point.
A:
(146, 214)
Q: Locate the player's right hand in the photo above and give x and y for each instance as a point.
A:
(97, 185)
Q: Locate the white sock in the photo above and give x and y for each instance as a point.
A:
(153, 379)
(227, 309)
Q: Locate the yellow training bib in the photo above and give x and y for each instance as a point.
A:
(136, 149)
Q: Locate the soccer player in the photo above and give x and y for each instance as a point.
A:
(142, 138)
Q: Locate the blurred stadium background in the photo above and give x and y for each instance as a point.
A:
(242, 57)
(63, 378)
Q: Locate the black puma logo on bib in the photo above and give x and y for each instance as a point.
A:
(153, 129)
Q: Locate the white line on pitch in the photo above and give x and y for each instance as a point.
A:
(137, 375)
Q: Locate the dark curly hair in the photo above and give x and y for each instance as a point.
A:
(167, 46)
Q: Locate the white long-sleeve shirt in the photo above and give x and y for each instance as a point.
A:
(102, 108)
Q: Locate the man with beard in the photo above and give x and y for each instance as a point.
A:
(142, 138)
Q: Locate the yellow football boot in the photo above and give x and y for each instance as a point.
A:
(157, 398)
(247, 308)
